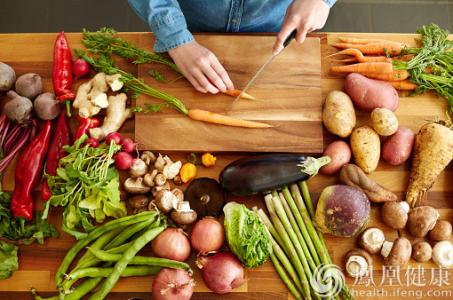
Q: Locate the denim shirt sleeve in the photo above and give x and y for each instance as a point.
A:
(166, 20)
(330, 2)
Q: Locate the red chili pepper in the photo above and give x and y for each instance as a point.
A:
(84, 125)
(62, 70)
(28, 172)
(60, 138)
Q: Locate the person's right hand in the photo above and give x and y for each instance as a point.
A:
(201, 67)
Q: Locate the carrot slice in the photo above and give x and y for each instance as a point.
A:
(211, 117)
(382, 48)
(396, 75)
(235, 93)
(368, 67)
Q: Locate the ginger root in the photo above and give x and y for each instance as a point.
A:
(117, 113)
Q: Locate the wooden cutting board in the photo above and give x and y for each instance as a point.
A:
(289, 94)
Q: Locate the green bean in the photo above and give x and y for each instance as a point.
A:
(141, 260)
(121, 264)
(99, 244)
(118, 223)
(284, 277)
(120, 249)
(84, 288)
(129, 232)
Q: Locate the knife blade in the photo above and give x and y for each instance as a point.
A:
(266, 63)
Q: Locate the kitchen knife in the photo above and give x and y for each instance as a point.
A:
(268, 61)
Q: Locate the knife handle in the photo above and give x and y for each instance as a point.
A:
(290, 37)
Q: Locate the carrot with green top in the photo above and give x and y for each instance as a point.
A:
(395, 75)
(352, 40)
(403, 85)
(379, 48)
(358, 56)
(368, 67)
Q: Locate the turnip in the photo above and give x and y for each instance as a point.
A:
(29, 85)
(47, 107)
(7, 77)
(19, 108)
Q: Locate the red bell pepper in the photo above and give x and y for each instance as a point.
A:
(28, 173)
(60, 138)
(62, 71)
(84, 125)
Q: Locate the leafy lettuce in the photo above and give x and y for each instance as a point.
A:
(8, 259)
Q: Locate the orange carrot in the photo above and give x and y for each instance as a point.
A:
(210, 117)
(381, 48)
(360, 57)
(368, 67)
(351, 40)
(235, 93)
(403, 85)
(396, 75)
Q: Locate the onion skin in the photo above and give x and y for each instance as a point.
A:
(172, 243)
(221, 272)
(207, 235)
(183, 289)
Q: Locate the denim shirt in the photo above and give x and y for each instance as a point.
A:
(172, 21)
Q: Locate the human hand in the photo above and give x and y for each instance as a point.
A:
(303, 15)
(201, 67)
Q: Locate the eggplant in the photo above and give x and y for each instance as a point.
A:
(254, 174)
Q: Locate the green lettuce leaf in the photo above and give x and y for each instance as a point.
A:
(8, 259)
(246, 235)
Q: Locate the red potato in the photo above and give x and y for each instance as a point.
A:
(368, 94)
(398, 147)
(340, 154)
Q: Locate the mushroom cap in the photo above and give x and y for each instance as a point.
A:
(421, 220)
(372, 239)
(394, 214)
(184, 217)
(400, 253)
(135, 186)
(441, 231)
(358, 257)
(205, 196)
(422, 251)
(443, 254)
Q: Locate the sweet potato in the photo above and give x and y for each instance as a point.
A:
(368, 94)
(384, 121)
(398, 147)
(338, 114)
(339, 153)
(366, 148)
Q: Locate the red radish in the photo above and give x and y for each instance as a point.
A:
(93, 142)
(114, 136)
(80, 68)
(123, 161)
(172, 243)
(128, 145)
(173, 284)
(207, 235)
(221, 272)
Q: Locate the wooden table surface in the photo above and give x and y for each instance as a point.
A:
(38, 263)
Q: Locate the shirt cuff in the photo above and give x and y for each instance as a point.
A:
(330, 3)
(170, 32)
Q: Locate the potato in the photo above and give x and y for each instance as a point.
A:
(338, 114)
(368, 94)
(340, 153)
(398, 147)
(366, 148)
(384, 121)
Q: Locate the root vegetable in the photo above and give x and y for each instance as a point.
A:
(172, 243)
(19, 108)
(94, 143)
(395, 214)
(422, 251)
(421, 220)
(441, 231)
(352, 175)
(7, 77)
(339, 153)
(398, 147)
(384, 121)
(115, 137)
(433, 151)
(357, 263)
(123, 161)
(47, 107)
(29, 85)
(207, 235)
(338, 114)
(80, 68)
(372, 239)
(128, 145)
(342, 211)
(366, 148)
(91, 96)
(443, 254)
(397, 253)
(173, 284)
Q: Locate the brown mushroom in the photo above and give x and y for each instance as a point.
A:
(183, 214)
(135, 186)
(422, 251)
(443, 254)
(421, 220)
(397, 253)
(148, 157)
(149, 178)
(179, 194)
(137, 204)
(160, 179)
(441, 231)
(395, 214)
(357, 263)
(166, 201)
(372, 239)
(205, 196)
(138, 168)
(156, 189)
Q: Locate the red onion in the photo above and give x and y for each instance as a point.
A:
(123, 161)
(172, 243)
(221, 272)
(173, 284)
(113, 136)
(80, 68)
(127, 145)
(207, 235)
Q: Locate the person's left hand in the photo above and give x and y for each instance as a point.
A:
(303, 15)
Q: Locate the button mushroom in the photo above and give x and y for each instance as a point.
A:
(160, 179)
(159, 188)
(137, 204)
(149, 178)
(166, 201)
(183, 214)
(148, 157)
(357, 263)
(395, 214)
(138, 168)
(421, 220)
(443, 254)
(422, 251)
(372, 239)
(171, 169)
(205, 196)
(397, 253)
(441, 231)
(136, 186)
